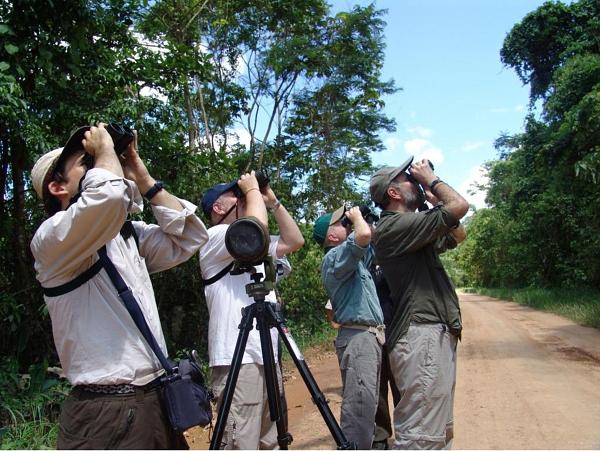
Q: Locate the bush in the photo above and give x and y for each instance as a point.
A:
(29, 406)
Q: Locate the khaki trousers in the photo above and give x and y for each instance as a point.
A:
(423, 363)
(249, 424)
(359, 356)
(131, 421)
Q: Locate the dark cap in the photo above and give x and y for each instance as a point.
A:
(380, 181)
(324, 221)
(74, 142)
(44, 167)
(212, 194)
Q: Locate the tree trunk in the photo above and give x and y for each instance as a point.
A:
(20, 240)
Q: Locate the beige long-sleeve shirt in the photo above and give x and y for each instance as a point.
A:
(95, 337)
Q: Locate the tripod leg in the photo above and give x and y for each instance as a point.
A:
(234, 370)
(309, 381)
(284, 438)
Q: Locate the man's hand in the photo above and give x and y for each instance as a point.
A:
(134, 168)
(248, 182)
(97, 142)
(362, 231)
(422, 172)
(268, 196)
(354, 215)
(253, 202)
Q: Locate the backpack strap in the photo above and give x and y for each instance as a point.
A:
(133, 308)
(75, 283)
(217, 277)
(127, 231)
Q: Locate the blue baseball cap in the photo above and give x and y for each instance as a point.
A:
(212, 194)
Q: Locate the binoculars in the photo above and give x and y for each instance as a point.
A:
(367, 214)
(121, 135)
(261, 177)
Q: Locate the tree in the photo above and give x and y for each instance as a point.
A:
(544, 190)
(185, 74)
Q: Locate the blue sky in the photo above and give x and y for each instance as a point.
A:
(456, 96)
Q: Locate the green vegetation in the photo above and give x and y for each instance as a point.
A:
(542, 230)
(305, 87)
(29, 406)
(579, 305)
(303, 84)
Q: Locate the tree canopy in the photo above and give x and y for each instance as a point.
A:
(214, 88)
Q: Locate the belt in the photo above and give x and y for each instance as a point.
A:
(378, 331)
(119, 389)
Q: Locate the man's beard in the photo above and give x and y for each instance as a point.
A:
(411, 199)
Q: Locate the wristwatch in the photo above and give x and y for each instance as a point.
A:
(158, 186)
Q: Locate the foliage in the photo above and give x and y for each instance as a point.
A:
(192, 77)
(29, 406)
(541, 230)
(302, 291)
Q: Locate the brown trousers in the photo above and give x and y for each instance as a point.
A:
(131, 421)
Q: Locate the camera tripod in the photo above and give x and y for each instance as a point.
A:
(268, 316)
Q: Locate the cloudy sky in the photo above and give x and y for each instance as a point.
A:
(456, 96)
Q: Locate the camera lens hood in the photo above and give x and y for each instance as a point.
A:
(247, 240)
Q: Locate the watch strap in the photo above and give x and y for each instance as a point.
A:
(158, 186)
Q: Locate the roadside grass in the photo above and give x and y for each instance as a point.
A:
(40, 433)
(579, 305)
(317, 342)
(29, 406)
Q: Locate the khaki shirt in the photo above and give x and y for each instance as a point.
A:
(95, 337)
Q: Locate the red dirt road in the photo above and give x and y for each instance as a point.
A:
(526, 380)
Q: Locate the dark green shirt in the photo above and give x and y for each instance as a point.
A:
(407, 246)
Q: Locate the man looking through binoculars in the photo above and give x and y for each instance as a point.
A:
(350, 286)
(88, 191)
(426, 322)
(249, 425)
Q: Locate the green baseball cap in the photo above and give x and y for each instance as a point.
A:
(324, 221)
(382, 179)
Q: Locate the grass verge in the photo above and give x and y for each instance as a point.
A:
(579, 305)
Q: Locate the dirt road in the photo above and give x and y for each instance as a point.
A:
(526, 380)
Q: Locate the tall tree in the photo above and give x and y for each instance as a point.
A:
(545, 188)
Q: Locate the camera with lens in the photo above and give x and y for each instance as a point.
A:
(368, 215)
(121, 135)
(261, 177)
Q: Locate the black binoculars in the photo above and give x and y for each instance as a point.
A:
(261, 177)
(121, 135)
(369, 216)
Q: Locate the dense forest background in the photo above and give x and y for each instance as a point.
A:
(215, 87)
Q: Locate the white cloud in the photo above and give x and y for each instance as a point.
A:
(147, 91)
(421, 132)
(422, 148)
(392, 144)
(517, 108)
(242, 136)
(471, 146)
(468, 188)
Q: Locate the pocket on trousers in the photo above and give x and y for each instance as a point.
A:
(93, 424)
(354, 391)
(252, 393)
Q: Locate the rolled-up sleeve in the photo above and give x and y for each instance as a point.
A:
(178, 235)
